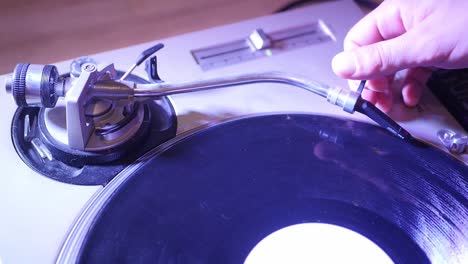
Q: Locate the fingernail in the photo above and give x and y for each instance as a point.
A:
(343, 64)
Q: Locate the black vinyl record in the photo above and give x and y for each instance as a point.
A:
(211, 196)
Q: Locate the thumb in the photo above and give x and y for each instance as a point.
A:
(378, 59)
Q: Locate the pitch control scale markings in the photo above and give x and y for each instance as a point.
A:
(260, 44)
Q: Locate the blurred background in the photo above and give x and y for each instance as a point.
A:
(47, 31)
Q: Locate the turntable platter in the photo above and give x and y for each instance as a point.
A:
(211, 196)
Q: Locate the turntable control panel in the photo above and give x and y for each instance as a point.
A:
(261, 44)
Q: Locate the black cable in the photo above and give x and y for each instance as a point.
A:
(296, 4)
(365, 3)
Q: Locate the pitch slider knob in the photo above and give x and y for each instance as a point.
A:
(259, 40)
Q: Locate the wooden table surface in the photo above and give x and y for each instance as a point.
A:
(46, 31)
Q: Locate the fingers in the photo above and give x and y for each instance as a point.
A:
(377, 60)
(414, 84)
(385, 22)
(383, 43)
(379, 92)
(379, 85)
(382, 100)
(385, 101)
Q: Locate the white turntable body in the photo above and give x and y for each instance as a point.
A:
(37, 212)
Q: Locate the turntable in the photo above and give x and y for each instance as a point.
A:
(208, 152)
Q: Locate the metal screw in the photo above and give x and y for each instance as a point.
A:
(455, 143)
(89, 67)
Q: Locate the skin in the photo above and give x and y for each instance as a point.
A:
(418, 35)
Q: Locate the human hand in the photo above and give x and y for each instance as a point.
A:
(404, 34)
